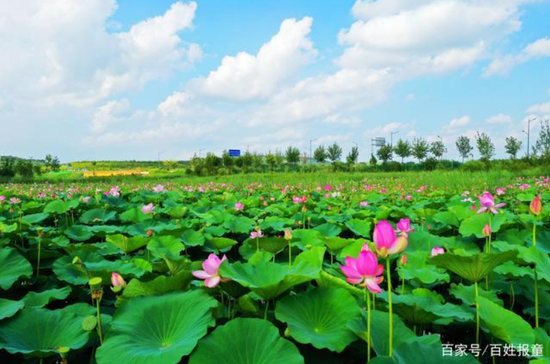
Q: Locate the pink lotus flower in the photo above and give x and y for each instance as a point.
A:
(256, 234)
(239, 206)
(288, 234)
(159, 189)
(524, 186)
(86, 199)
(117, 280)
(328, 187)
(437, 251)
(147, 209)
(297, 199)
(404, 259)
(363, 203)
(404, 227)
(14, 200)
(364, 271)
(386, 240)
(408, 198)
(114, 191)
(210, 272)
(488, 202)
(501, 191)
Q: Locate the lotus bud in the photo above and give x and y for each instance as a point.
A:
(149, 232)
(487, 230)
(117, 280)
(536, 206)
(288, 234)
(287, 332)
(404, 259)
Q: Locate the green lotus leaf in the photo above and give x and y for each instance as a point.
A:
(166, 247)
(417, 269)
(380, 331)
(79, 232)
(220, 244)
(320, 317)
(239, 224)
(269, 244)
(268, 280)
(467, 294)
(41, 299)
(41, 332)
(424, 306)
(505, 324)
(60, 207)
(97, 215)
(8, 308)
(192, 238)
(159, 285)
(134, 215)
(473, 268)
(157, 329)
(13, 266)
(246, 340)
(412, 352)
(474, 224)
(328, 230)
(127, 244)
(34, 218)
(359, 227)
(304, 239)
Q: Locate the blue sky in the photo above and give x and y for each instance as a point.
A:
(129, 79)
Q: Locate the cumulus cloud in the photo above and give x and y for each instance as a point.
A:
(500, 119)
(246, 76)
(503, 65)
(457, 123)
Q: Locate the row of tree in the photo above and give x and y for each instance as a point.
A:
(27, 168)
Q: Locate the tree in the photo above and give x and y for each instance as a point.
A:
(320, 154)
(464, 146)
(402, 149)
(437, 148)
(52, 163)
(211, 163)
(420, 148)
(24, 168)
(292, 155)
(271, 160)
(227, 160)
(384, 153)
(373, 160)
(7, 167)
(542, 146)
(513, 145)
(485, 146)
(334, 152)
(353, 156)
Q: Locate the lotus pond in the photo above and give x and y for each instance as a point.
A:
(387, 272)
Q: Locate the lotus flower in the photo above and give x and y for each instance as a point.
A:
(437, 251)
(14, 200)
(117, 280)
(404, 227)
(239, 206)
(386, 241)
(159, 189)
(147, 209)
(486, 230)
(404, 259)
(114, 191)
(363, 203)
(488, 202)
(364, 271)
(210, 272)
(501, 191)
(256, 234)
(536, 206)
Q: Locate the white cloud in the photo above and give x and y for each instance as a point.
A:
(500, 119)
(457, 123)
(503, 65)
(540, 109)
(247, 76)
(108, 114)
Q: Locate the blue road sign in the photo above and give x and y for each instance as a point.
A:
(234, 152)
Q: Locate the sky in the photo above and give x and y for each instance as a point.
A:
(137, 79)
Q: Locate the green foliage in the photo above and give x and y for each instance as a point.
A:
(420, 148)
(464, 147)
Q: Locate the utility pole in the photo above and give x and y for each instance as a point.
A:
(528, 132)
(310, 149)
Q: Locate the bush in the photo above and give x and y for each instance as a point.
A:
(430, 164)
(475, 166)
